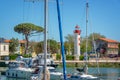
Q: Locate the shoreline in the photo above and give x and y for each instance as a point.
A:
(76, 63)
(91, 63)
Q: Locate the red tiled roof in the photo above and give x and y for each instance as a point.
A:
(108, 40)
(20, 41)
(7, 41)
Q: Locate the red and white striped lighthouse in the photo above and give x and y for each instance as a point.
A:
(77, 33)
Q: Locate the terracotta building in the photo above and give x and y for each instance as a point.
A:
(20, 47)
(109, 46)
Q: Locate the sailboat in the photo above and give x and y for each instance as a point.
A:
(39, 72)
(45, 70)
(19, 69)
(83, 73)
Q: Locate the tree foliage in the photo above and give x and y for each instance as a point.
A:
(14, 43)
(58, 56)
(83, 46)
(52, 46)
(95, 36)
(70, 57)
(67, 47)
(69, 43)
(27, 29)
(32, 46)
(39, 47)
(13, 56)
(102, 48)
(91, 37)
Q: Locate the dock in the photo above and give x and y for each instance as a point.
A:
(91, 61)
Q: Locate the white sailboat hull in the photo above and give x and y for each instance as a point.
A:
(88, 76)
(83, 76)
(56, 73)
(19, 72)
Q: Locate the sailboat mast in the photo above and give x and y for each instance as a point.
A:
(86, 55)
(61, 40)
(45, 36)
(86, 27)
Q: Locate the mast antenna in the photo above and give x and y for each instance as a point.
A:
(31, 1)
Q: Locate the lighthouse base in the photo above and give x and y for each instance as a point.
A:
(76, 57)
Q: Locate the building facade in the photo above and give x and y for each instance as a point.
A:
(21, 47)
(109, 46)
(4, 48)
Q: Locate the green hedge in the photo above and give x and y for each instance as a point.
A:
(70, 57)
(81, 57)
(27, 55)
(58, 57)
(13, 56)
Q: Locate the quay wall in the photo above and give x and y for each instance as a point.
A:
(74, 63)
(91, 63)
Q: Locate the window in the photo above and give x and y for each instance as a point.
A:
(4, 48)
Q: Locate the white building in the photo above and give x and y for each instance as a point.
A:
(4, 48)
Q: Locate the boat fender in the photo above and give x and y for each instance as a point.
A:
(68, 75)
(36, 71)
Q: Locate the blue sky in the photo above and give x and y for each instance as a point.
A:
(104, 17)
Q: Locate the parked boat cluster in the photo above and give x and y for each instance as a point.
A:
(32, 68)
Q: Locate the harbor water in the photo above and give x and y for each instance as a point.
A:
(105, 73)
